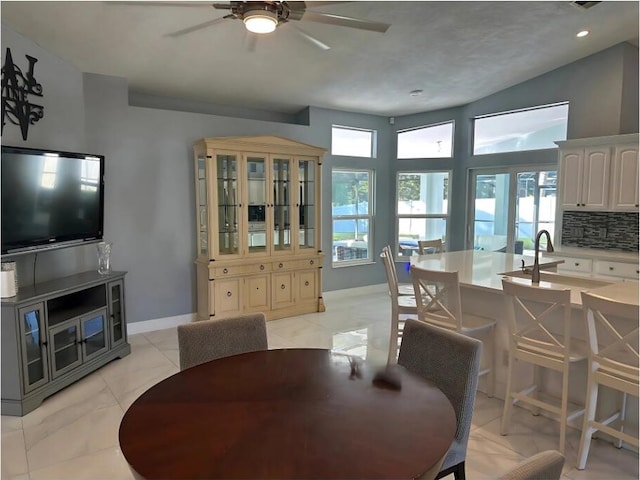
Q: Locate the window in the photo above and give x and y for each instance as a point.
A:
(509, 206)
(433, 141)
(352, 142)
(422, 209)
(530, 129)
(352, 216)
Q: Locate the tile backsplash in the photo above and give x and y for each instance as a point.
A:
(606, 230)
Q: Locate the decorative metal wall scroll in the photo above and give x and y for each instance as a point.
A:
(16, 86)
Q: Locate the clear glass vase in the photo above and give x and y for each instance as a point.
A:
(104, 257)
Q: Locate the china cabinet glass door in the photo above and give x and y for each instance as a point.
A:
(203, 215)
(34, 347)
(256, 170)
(306, 204)
(228, 204)
(281, 179)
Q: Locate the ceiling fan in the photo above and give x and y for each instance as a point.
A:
(263, 17)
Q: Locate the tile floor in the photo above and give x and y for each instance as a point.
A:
(74, 434)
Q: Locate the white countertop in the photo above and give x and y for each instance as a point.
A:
(482, 269)
(600, 254)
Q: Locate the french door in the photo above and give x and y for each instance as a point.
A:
(508, 206)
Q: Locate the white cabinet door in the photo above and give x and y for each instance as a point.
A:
(571, 165)
(596, 174)
(625, 178)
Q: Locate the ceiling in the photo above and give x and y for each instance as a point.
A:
(455, 52)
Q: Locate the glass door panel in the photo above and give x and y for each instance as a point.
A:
(491, 205)
(281, 204)
(306, 204)
(256, 204)
(94, 334)
(227, 185)
(35, 371)
(535, 207)
(66, 348)
(201, 195)
(116, 310)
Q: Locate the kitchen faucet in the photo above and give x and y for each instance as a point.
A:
(535, 273)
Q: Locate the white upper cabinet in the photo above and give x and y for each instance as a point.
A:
(624, 189)
(599, 173)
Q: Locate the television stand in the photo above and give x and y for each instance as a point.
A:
(56, 332)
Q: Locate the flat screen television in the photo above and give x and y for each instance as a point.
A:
(50, 199)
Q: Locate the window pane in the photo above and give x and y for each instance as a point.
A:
(427, 142)
(535, 207)
(351, 207)
(410, 230)
(423, 193)
(351, 142)
(491, 212)
(523, 130)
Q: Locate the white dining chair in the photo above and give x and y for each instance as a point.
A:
(403, 288)
(534, 316)
(402, 306)
(439, 304)
(426, 247)
(612, 330)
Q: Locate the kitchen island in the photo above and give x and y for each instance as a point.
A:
(480, 275)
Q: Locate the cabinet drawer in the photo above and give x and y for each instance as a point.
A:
(616, 269)
(286, 265)
(572, 264)
(234, 270)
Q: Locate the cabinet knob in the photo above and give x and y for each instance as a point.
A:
(611, 269)
(310, 262)
(282, 287)
(577, 264)
(577, 204)
(225, 270)
(261, 267)
(228, 294)
(306, 284)
(280, 265)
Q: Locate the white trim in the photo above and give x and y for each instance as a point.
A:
(159, 323)
(350, 292)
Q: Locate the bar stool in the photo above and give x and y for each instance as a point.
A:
(612, 329)
(439, 304)
(530, 317)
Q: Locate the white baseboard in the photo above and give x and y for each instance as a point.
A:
(349, 292)
(159, 323)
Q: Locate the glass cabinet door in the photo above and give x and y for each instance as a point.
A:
(65, 346)
(116, 313)
(256, 170)
(201, 198)
(281, 179)
(306, 204)
(35, 370)
(228, 204)
(94, 334)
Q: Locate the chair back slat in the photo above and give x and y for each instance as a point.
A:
(612, 328)
(532, 316)
(390, 270)
(437, 297)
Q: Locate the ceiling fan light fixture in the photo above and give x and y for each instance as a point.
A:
(260, 21)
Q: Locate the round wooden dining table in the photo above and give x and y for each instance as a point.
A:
(284, 414)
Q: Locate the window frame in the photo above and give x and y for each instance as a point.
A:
(510, 112)
(425, 216)
(373, 147)
(370, 216)
(425, 127)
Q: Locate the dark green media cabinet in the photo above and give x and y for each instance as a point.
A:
(56, 332)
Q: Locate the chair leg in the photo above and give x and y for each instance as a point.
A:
(563, 408)
(508, 402)
(459, 474)
(393, 339)
(623, 411)
(589, 417)
(537, 381)
(491, 354)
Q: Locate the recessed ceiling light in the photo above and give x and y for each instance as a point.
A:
(582, 33)
(415, 93)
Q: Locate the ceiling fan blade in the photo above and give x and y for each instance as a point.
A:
(305, 5)
(161, 4)
(199, 26)
(343, 21)
(308, 37)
